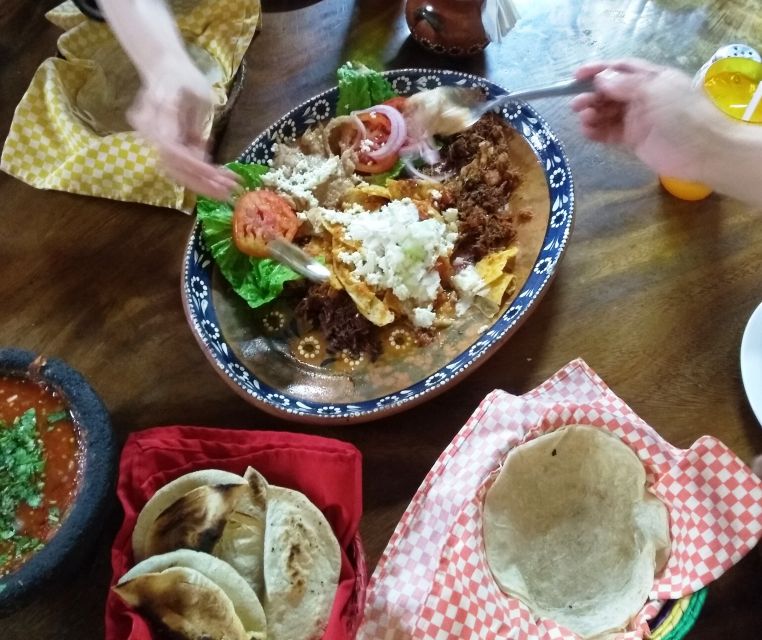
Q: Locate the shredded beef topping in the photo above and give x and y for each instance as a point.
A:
(334, 313)
(483, 184)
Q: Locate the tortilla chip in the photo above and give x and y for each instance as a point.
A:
(496, 290)
(393, 303)
(364, 297)
(320, 246)
(369, 196)
(491, 267)
(413, 189)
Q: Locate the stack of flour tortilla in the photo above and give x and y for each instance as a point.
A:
(572, 531)
(224, 556)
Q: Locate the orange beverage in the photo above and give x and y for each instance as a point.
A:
(734, 85)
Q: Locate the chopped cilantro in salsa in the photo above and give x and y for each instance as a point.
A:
(57, 417)
(21, 466)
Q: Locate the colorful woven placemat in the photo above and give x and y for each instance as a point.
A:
(677, 617)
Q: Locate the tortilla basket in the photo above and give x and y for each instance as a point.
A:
(327, 471)
(677, 617)
(433, 580)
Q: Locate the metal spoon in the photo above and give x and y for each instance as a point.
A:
(285, 252)
(299, 260)
(461, 106)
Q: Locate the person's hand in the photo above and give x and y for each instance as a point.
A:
(653, 110)
(172, 111)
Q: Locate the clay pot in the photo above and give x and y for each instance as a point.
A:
(451, 27)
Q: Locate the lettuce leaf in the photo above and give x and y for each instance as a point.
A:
(257, 280)
(360, 87)
(381, 178)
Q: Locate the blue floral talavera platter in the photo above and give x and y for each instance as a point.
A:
(269, 358)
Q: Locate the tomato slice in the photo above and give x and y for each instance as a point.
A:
(258, 216)
(377, 126)
(368, 165)
(377, 129)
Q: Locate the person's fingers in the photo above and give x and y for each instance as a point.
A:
(217, 187)
(591, 117)
(595, 101)
(193, 117)
(604, 134)
(617, 85)
(196, 174)
(590, 70)
(583, 101)
(635, 65)
(625, 65)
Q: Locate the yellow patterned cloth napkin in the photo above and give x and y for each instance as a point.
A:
(69, 131)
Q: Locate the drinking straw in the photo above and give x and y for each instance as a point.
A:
(753, 103)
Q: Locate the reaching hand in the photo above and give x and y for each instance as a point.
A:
(652, 110)
(172, 111)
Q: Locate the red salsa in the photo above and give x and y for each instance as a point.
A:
(40, 461)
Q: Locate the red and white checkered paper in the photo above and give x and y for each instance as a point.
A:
(433, 582)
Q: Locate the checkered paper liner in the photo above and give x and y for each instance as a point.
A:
(433, 580)
(51, 145)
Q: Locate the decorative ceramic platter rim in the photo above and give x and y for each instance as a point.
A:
(198, 264)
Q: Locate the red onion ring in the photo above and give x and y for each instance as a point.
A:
(424, 148)
(410, 167)
(397, 131)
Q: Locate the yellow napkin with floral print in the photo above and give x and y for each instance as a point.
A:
(69, 131)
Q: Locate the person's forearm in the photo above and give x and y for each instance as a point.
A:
(733, 162)
(146, 30)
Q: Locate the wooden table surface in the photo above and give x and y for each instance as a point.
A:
(653, 293)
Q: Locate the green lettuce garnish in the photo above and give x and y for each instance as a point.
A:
(257, 280)
(360, 88)
(381, 178)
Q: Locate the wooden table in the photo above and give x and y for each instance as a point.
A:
(653, 293)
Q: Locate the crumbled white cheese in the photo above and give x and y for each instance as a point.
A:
(397, 251)
(423, 317)
(468, 283)
(450, 215)
(435, 195)
(314, 216)
(299, 175)
(366, 145)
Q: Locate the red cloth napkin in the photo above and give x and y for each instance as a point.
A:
(327, 471)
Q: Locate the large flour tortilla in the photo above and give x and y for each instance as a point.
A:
(570, 529)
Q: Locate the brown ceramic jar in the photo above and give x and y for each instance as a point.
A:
(452, 27)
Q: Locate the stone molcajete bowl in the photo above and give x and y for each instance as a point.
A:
(97, 459)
